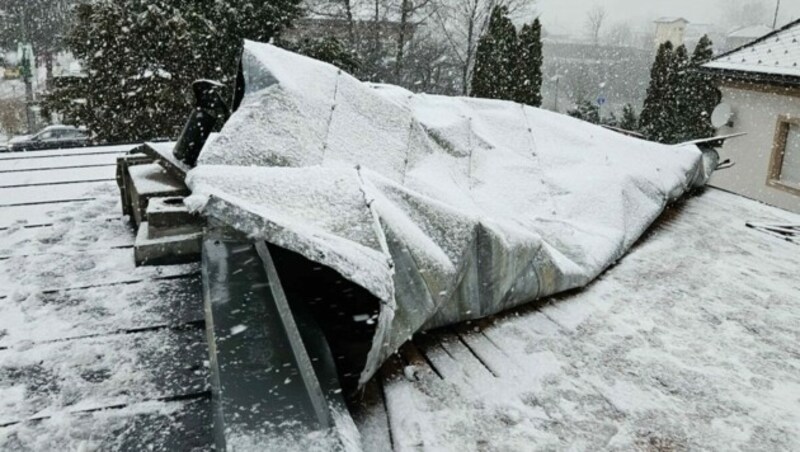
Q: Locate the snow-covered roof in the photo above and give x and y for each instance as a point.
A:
(753, 31)
(777, 53)
(669, 20)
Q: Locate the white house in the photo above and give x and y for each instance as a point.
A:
(742, 36)
(760, 85)
(672, 29)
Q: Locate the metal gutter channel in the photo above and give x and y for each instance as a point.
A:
(269, 376)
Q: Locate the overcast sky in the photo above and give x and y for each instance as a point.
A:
(571, 14)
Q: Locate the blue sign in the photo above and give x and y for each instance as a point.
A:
(601, 100)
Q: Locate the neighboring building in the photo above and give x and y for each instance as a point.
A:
(680, 31)
(672, 29)
(742, 36)
(761, 83)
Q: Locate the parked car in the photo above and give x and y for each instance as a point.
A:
(52, 137)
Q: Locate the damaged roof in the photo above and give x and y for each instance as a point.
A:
(688, 343)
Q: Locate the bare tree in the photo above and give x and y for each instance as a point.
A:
(621, 35)
(409, 9)
(462, 22)
(341, 10)
(595, 19)
(428, 66)
(425, 45)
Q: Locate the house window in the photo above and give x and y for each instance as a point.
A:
(784, 170)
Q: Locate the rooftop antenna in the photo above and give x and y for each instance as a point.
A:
(775, 20)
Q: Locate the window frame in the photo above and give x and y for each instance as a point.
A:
(778, 152)
(50, 135)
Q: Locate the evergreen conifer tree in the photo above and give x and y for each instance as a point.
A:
(699, 95)
(680, 99)
(610, 120)
(654, 122)
(493, 76)
(676, 101)
(328, 49)
(586, 111)
(141, 56)
(529, 65)
(484, 79)
(629, 120)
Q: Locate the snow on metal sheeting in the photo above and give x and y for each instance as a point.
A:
(777, 53)
(446, 209)
(689, 343)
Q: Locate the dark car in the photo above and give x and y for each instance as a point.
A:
(52, 137)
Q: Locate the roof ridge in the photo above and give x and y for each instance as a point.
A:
(757, 41)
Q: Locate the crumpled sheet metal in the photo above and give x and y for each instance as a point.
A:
(446, 209)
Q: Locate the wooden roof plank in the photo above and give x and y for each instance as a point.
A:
(44, 194)
(169, 425)
(49, 379)
(57, 176)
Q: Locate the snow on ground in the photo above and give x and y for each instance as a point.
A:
(66, 154)
(138, 427)
(95, 354)
(692, 342)
(41, 380)
(55, 177)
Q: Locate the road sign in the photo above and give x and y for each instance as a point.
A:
(601, 100)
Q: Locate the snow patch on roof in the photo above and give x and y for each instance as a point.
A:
(753, 31)
(777, 54)
(669, 20)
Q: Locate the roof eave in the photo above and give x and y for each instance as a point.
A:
(752, 77)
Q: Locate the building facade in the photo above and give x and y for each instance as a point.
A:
(760, 83)
(745, 35)
(671, 29)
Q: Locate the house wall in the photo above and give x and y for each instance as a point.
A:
(672, 32)
(757, 109)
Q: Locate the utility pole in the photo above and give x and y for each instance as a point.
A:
(27, 64)
(27, 78)
(775, 20)
(557, 80)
